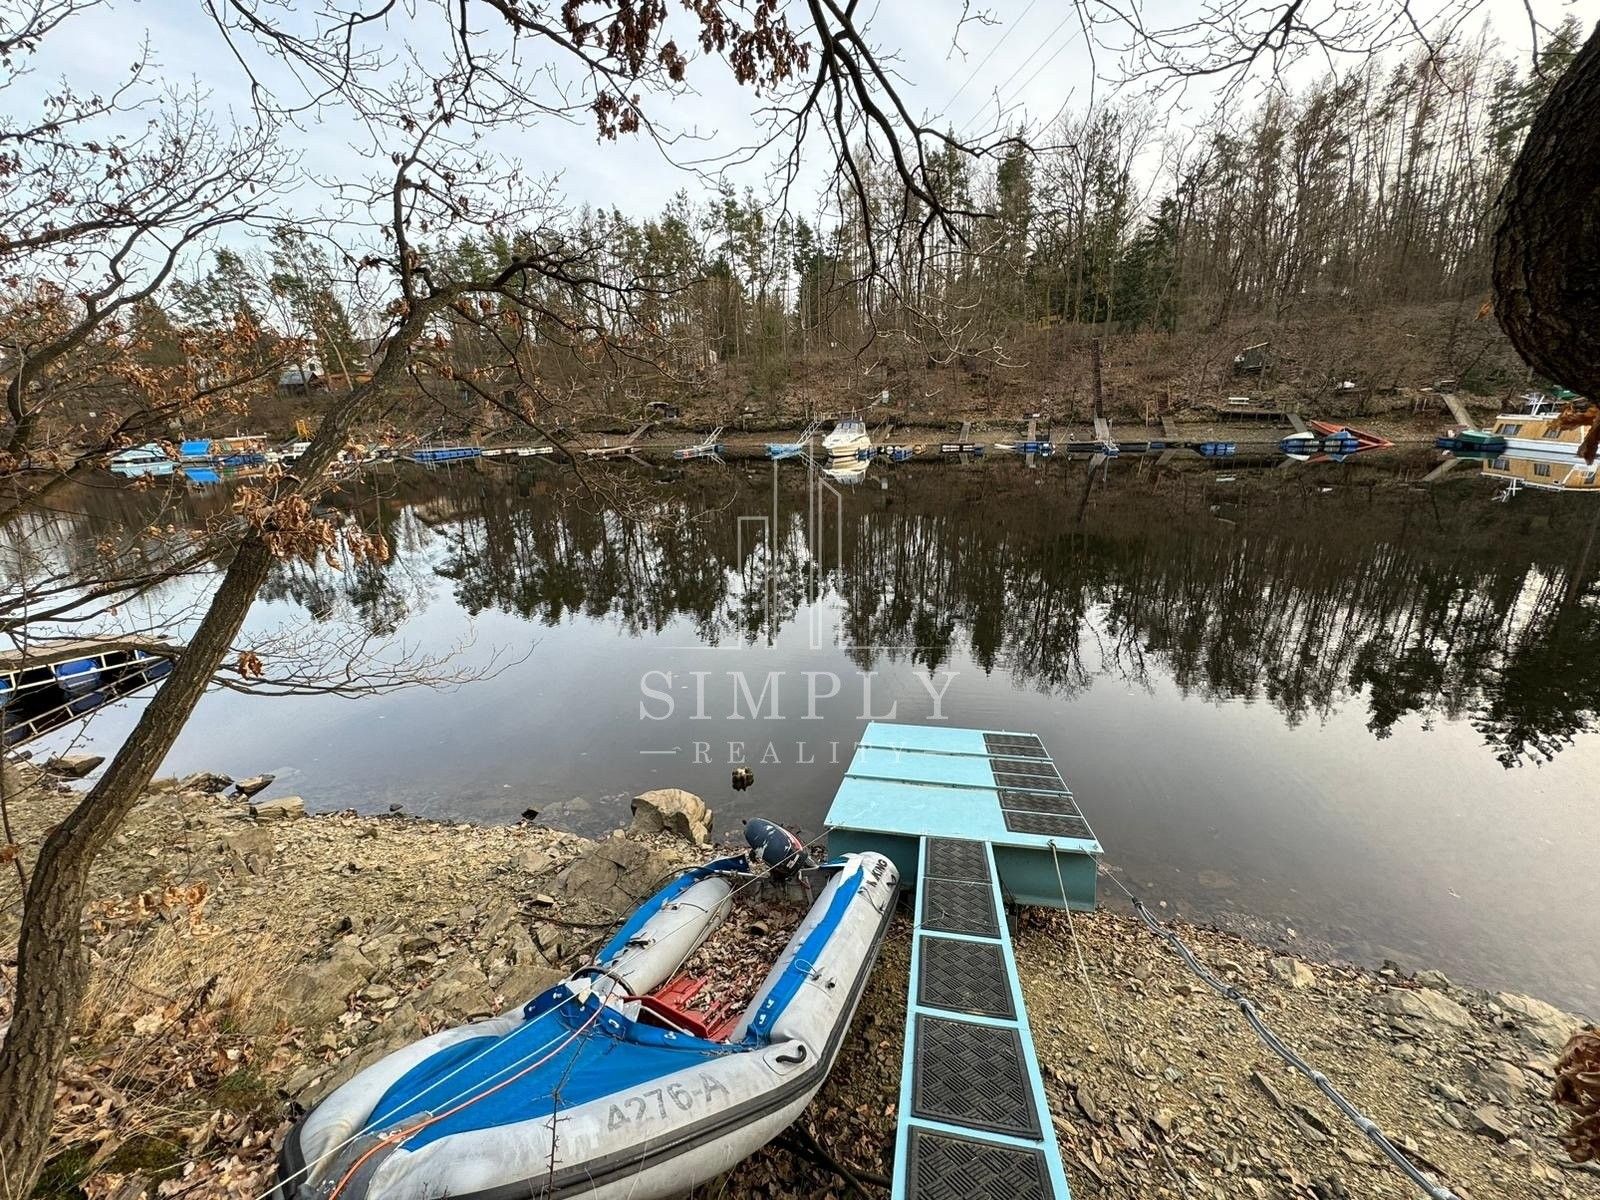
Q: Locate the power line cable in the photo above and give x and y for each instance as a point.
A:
(1010, 29)
(1045, 41)
(1017, 93)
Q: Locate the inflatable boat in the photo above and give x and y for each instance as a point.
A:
(628, 1078)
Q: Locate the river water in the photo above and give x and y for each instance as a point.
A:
(1324, 700)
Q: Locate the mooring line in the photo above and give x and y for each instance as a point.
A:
(1273, 1042)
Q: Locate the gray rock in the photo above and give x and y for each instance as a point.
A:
(614, 874)
(249, 847)
(209, 782)
(1493, 1122)
(548, 938)
(1087, 1106)
(462, 990)
(283, 808)
(672, 810)
(1437, 980)
(1267, 1088)
(320, 990)
(1314, 1119)
(526, 980)
(418, 943)
(382, 950)
(1500, 1081)
(530, 862)
(1425, 1007)
(252, 785)
(499, 919)
(1291, 972)
(73, 766)
(1544, 1023)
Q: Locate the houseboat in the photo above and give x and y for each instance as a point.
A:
(1546, 432)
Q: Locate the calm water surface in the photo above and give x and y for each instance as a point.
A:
(1322, 699)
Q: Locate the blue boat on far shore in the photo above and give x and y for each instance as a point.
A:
(430, 456)
(54, 683)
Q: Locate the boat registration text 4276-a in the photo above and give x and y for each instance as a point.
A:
(660, 1102)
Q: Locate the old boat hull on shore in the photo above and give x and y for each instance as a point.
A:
(645, 1107)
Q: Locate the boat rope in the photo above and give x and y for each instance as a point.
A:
(1117, 1047)
(555, 1111)
(802, 1143)
(400, 1136)
(1273, 1042)
(369, 1128)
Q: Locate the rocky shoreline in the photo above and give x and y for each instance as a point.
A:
(249, 957)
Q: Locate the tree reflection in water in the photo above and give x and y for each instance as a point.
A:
(1410, 603)
(1417, 604)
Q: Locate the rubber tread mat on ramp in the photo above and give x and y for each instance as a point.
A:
(967, 977)
(1060, 803)
(1017, 768)
(1004, 779)
(1048, 825)
(1022, 745)
(971, 1075)
(951, 906)
(945, 1167)
(952, 858)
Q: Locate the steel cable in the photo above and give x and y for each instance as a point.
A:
(1273, 1042)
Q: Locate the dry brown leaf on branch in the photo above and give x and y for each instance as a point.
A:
(1591, 442)
(1578, 1090)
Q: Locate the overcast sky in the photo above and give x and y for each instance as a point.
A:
(1032, 57)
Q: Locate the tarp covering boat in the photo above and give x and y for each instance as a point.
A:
(597, 1087)
(1364, 440)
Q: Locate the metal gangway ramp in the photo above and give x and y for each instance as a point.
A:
(973, 1119)
(972, 818)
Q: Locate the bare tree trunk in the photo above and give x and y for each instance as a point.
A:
(52, 971)
(1099, 386)
(1547, 247)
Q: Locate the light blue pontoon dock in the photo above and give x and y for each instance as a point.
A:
(972, 818)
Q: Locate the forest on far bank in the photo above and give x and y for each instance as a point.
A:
(1338, 233)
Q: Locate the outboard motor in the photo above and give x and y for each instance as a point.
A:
(776, 848)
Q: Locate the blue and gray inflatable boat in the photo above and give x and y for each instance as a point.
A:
(597, 1087)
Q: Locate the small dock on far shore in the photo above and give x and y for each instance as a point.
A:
(1458, 410)
(47, 684)
(973, 819)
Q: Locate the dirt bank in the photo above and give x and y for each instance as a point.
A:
(245, 965)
